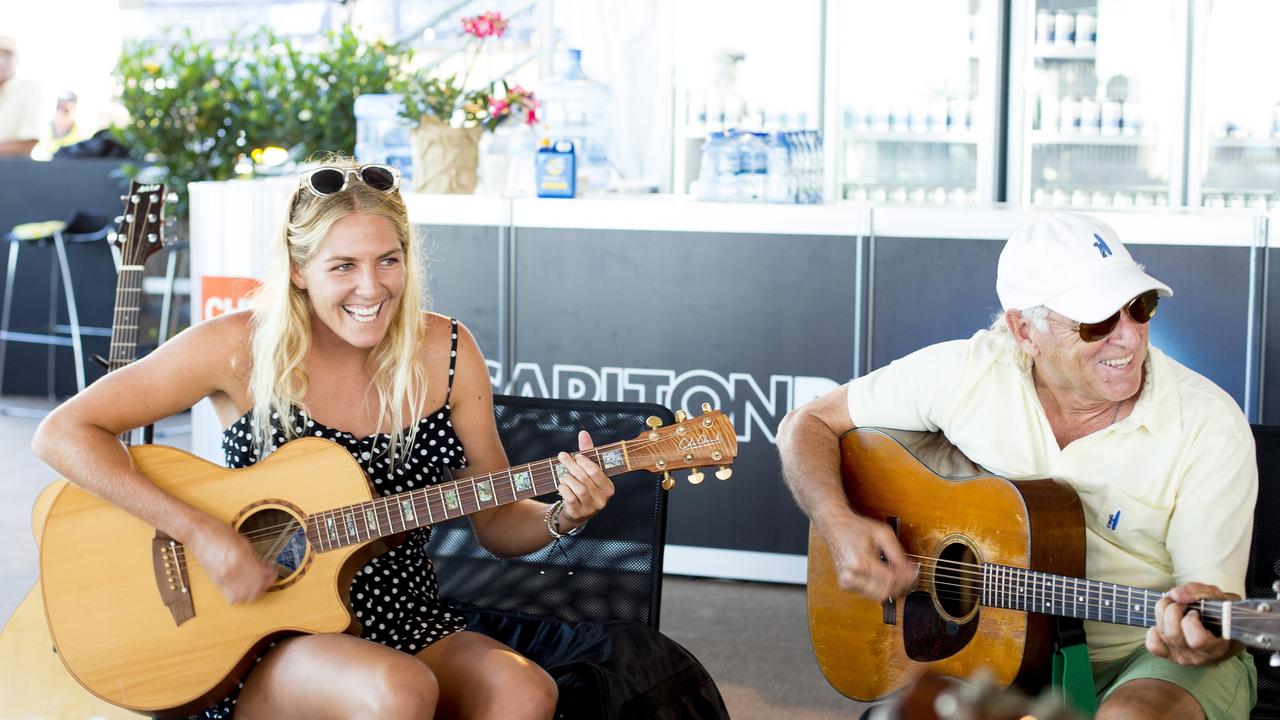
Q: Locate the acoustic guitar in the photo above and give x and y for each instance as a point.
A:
(998, 559)
(32, 681)
(141, 624)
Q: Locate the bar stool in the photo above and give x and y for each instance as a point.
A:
(83, 227)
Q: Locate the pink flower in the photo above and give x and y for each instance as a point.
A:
(532, 117)
(490, 24)
(498, 108)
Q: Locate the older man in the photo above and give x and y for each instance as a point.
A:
(1065, 385)
(22, 113)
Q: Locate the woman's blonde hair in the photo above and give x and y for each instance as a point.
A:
(281, 320)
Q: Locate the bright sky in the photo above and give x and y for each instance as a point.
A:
(67, 45)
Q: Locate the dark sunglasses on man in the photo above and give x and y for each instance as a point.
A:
(329, 180)
(1141, 309)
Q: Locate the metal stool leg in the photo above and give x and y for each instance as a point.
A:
(8, 305)
(166, 305)
(73, 317)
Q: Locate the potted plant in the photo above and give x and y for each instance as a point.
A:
(449, 118)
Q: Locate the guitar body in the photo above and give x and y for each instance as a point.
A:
(103, 591)
(944, 507)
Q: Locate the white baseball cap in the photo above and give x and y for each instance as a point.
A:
(1072, 264)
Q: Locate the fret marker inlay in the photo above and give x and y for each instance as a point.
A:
(522, 481)
(451, 499)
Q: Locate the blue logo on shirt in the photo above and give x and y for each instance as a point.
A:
(1101, 245)
(1114, 519)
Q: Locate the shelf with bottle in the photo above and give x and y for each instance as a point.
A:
(1065, 35)
(964, 137)
(1240, 198)
(1272, 143)
(1098, 197)
(1041, 137)
(910, 195)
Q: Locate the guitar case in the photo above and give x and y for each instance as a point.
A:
(626, 671)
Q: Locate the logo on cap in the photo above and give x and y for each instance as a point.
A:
(1102, 245)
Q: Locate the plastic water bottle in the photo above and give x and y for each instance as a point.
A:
(753, 167)
(779, 183)
(577, 109)
(382, 136)
(718, 167)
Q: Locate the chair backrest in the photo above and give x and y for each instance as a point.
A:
(610, 572)
(1264, 558)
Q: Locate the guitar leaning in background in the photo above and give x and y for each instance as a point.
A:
(36, 684)
(1064, 384)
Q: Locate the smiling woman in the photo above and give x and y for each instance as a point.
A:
(337, 347)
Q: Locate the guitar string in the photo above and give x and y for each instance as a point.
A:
(131, 337)
(436, 493)
(1095, 593)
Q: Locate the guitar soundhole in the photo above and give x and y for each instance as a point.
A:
(277, 537)
(957, 582)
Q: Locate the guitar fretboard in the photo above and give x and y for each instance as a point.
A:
(1021, 589)
(124, 326)
(362, 522)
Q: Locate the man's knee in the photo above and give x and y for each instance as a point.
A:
(1149, 698)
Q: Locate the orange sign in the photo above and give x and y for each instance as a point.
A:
(225, 294)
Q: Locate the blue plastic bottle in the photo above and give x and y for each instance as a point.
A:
(556, 173)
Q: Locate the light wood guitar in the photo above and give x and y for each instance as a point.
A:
(141, 625)
(32, 681)
(997, 559)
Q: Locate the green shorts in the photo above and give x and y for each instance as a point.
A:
(1226, 691)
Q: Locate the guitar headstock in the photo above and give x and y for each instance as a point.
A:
(708, 439)
(140, 227)
(1256, 623)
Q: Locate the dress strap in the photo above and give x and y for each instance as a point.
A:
(453, 357)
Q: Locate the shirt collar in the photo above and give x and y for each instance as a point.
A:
(1158, 408)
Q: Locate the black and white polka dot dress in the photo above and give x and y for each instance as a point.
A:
(395, 596)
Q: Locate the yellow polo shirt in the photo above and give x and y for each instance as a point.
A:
(1178, 476)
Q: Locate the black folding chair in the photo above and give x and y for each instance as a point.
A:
(1264, 559)
(585, 608)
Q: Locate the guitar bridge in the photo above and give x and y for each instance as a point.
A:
(171, 577)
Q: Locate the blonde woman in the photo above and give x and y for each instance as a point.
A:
(337, 346)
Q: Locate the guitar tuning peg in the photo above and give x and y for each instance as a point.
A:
(119, 219)
(653, 421)
(151, 217)
(151, 237)
(695, 477)
(1275, 660)
(171, 197)
(681, 416)
(113, 236)
(668, 482)
(1275, 587)
(724, 473)
(706, 407)
(123, 198)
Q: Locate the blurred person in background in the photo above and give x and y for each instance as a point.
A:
(62, 131)
(21, 115)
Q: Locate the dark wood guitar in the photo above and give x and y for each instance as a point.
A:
(997, 559)
(140, 624)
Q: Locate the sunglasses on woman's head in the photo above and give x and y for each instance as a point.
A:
(1141, 309)
(330, 180)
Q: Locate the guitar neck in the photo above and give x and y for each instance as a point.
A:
(1021, 589)
(362, 522)
(124, 326)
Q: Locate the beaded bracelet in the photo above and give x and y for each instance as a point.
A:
(552, 520)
